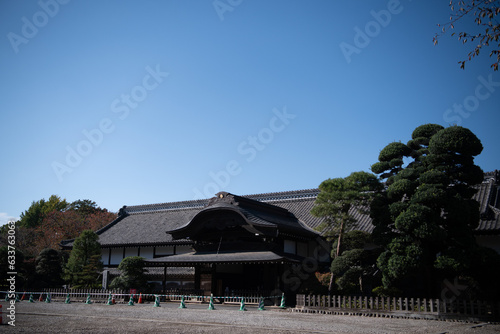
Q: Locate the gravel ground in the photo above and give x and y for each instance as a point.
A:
(58, 317)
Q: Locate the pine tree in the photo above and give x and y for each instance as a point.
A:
(426, 216)
(84, 264)
(338, 200)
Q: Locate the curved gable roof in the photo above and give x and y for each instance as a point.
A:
(259, 217)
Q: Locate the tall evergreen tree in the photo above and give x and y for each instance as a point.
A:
(49, 268)
(426, 215)
(84, 265)
(338, 200)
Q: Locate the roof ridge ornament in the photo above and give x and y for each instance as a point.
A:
(223, 197)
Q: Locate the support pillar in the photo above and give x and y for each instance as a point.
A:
(197, 277)
(214, 279)
(164, 282)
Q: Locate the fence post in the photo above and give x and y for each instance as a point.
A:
(300, 300)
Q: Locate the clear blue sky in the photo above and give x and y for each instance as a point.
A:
(139, 102)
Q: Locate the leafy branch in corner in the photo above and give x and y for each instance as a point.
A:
(484, 13)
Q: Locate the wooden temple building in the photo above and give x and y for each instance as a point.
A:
(265, 242)
(228, 242)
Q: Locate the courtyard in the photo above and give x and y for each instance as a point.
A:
(77, 317)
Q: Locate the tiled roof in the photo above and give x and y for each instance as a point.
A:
(146, 227)
(301, 208)
(143, 228)
(147, 224)
(488, 196)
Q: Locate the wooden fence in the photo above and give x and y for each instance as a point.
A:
(399, 307)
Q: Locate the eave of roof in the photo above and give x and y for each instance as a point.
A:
(196, 258)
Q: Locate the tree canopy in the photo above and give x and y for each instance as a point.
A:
(58, 226)
(84, 264)
(132, 274)
(48, 222)
(426, 215)
(35, 214)
(49, 268)
(337, 202)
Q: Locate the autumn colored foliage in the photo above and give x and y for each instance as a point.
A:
(46, 223)
(58, 226)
